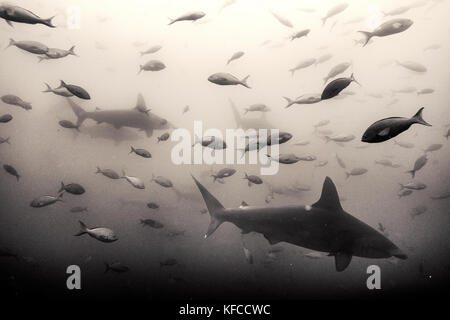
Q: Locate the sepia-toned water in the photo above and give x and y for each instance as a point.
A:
(108, 37)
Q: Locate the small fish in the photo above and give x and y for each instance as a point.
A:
(116, 267)
(299, 34)
(17, 14)
(405, 90)
(185, 109)
(284, 21)
(404, 193)
(11, 170)
(151, 223)
(212, 142)
(141, 152)
(404, 144)
(289, 158)
(334, 11)
(304, 99)
(29, 46)
(16, 101)
(340, 138)
(425, 91)
(253, 179)
(387, 163)
(75, 90)
(69, 125)
(302, 64)
(388, 128)
(443, 195)
(340, 162)
(163, 137)
(388, 28)
(433, 147)
(152, 205)
(302, 143)
(134, 181)
(418, 211)
(4, 140)
(432, 47)
(63, 92)
(190, 16)
(108, 173)
(321, 163)
(323, 58)
(73, 188)
(413, 66)
(55, 53)
(413, 185)
(152, 65)
(355, 172)
(79, 209)
(321, 123)
(257, 107)
(6, 118)
(162, 181)
(101, 234)
(226, 79)
(418, 164)
(46, 200)
(151, 50)
(223, 173)
(169, 262)
(235, 56)
(336, 86)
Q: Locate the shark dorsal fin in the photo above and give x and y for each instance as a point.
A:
(329, 199)
(140, 103)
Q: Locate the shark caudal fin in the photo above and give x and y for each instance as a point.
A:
(79, 112)
(417, 118)
(214, 208)
(329, 199)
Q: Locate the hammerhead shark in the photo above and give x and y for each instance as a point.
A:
(323, 226)
(133, 117)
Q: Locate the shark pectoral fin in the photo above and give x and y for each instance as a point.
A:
(342, 260)
(384, 132)
(329, 199)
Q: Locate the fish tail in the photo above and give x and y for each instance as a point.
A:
(98, 170)
(352, 77)
(368, 36)
(132, 149)
(72, 51)
(417, 118)
(292, 71)
(123, 174)
(401, 186)
(62, 187)
(48, 22)
(246, 110)
(171, 21)
(7, 141)
(244, 82)
(49, 89)
(214, 208)
(107, 267)
(60, 195)
(289, 102)
(79, 111)
(327, 139)
(62, 84)
(40, 58)
(413, 172)
(83, 229)
(11, 43)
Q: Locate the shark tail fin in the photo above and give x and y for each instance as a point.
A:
(79, 112)
(329, 199)
(244, 82)
(368, 36)
(83, 229)
(417, 118)
(49, 89)
(48, 22)
(214, 208)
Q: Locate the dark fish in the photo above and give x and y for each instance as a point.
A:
(252, 179)
(18, 14)
(63, 92)
(152, 223)
(299, 34)
(6, 118)
(168, 262)
(116, 267)
(223, 173)
(152, 205)
(75, 90)
(190, 16)
(69, 125)
(11, 170)
(108, 173)
(141, 152)
(73, 188)
(164, 137)
(336, 86)
(78, 209)
(16, 101)
(388, 128)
